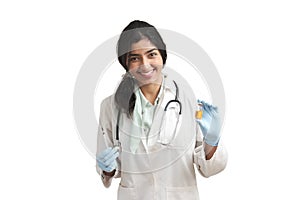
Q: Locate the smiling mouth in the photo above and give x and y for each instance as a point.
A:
(147, 73)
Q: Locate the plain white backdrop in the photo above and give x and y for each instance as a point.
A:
(255, 46)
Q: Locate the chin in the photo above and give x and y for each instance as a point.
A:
(145, 82)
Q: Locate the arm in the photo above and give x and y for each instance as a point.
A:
(209, 160)
(214, 165)
(209, 151)
(106, 177)
(209, 157)
(105, 141)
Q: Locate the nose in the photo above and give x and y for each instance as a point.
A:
(145, 62)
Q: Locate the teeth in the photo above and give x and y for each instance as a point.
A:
(146, 73)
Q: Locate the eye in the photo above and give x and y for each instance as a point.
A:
(153, 54)
(133, 59)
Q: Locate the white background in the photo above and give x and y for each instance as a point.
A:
(254, 44)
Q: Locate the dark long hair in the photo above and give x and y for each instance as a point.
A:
(132, 33)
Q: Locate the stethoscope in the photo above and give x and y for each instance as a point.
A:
(175, 100)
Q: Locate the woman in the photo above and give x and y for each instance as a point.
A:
(148, 135)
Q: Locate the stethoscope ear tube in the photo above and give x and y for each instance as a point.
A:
(177, 90)
(175, 100)
(117, 126)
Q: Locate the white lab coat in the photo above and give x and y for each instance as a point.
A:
(158, 171)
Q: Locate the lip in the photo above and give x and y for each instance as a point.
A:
(147, 74)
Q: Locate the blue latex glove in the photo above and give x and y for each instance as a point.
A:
(210, 124)
(106, 160)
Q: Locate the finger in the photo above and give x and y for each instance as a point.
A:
(106, 163)
(214, 111)
(205, 104)
(106, 168)
(211, 108)
(104, 153)
(110, 154)
(110, 160)
(215, 107)
(110, 168)
(101, 165)
(99, 162)
(206, 108)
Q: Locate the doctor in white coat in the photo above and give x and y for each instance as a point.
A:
(148, 135)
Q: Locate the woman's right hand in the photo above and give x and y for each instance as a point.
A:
(106, 160)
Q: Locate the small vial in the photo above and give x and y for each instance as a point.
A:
(199, 111)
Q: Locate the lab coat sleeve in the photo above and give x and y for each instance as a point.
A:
(213, 166)
(105, 138)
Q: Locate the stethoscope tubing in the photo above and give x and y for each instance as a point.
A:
(166, 107)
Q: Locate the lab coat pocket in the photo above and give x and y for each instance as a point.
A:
(126, 193)
(179, 193)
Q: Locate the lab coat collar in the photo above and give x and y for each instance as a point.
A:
(169, 84)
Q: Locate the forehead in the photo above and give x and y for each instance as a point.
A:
(142, 46)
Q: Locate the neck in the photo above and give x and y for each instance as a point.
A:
(151, 91)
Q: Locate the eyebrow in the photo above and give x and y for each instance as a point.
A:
(131, 54)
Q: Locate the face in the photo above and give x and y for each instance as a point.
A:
(145, 62)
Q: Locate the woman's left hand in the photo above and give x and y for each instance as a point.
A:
(210, 124)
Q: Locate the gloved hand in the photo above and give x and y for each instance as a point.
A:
(210, 124)
(106, 160)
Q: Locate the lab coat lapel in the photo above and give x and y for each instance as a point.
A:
(168, 94)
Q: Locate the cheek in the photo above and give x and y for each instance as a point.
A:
(133, 67)
(159, 65)
(160, 61)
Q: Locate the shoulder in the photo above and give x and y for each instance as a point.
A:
(108, 105)
(107, 101)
